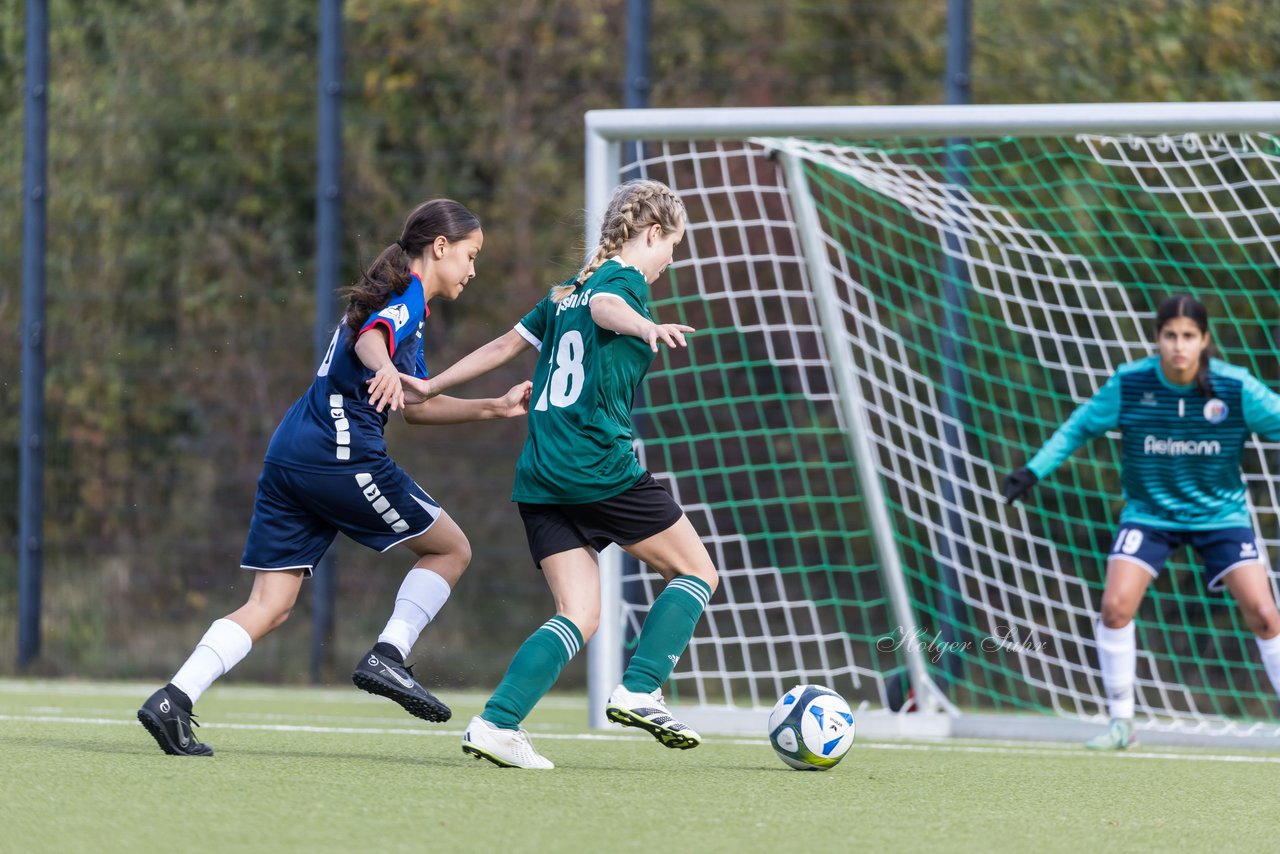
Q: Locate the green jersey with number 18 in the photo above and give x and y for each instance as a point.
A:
(579, 446)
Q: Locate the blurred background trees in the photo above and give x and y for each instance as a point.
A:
(181, 236)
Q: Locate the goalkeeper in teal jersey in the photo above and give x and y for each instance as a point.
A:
(578, 481)
(1184, 419)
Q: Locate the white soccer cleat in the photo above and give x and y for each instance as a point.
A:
(649, 712)
(506, 748)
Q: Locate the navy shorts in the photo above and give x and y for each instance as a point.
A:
(637, 514)
(1220, 550)
(297, 514)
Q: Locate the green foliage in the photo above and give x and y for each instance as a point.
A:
(1148, 50)
(181, 231)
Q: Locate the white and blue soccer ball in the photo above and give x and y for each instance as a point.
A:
(811, 728)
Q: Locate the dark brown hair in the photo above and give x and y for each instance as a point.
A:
(389, 272)
(1185, 305)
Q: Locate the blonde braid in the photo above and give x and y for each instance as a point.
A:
(632, 208)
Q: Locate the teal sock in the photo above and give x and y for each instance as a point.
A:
(535, 668)
(666, 632)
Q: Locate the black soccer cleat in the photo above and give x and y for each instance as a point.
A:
(170, 724)
(379, 674)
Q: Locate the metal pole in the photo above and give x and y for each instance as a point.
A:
(849, 399)
(959, 52)
(636, 88)
(31, 440)
(635, 96)
(953, 551)
(691, 123)
(328, 248)
(604, 652)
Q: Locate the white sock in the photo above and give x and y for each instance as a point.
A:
(1118, 655)
(223, 647)
(1270, 649)
(421, 597)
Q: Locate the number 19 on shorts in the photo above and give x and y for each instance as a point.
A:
(1128, 541)
(567, 375)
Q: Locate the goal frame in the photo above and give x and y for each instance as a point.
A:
(606, 131)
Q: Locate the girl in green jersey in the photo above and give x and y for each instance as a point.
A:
(578, 481)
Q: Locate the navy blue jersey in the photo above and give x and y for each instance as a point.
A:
(1180, 451)
(332, 428)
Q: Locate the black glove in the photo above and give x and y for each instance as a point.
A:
(1018, 483)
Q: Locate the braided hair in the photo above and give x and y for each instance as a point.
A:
(635, 206)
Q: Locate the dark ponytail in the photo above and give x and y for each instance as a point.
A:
(389, 272)
(1184, 305)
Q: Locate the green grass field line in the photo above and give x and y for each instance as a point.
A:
(301, 769)
(449, 731)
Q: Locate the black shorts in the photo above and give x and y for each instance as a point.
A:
(629, 517)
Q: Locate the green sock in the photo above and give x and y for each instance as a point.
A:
(666, 632)
(535, 668)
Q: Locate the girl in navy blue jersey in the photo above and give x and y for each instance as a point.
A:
(1184, 420)
(327, 470)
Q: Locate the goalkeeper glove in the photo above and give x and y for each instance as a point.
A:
(1018, 483)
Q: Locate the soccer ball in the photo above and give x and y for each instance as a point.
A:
(811, 728)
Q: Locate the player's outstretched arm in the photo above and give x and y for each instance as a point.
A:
(612, 313)
(1090, 419)
(443, 409)
(1261, 409)
(478, 362)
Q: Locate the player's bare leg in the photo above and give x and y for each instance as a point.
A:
(443, 555)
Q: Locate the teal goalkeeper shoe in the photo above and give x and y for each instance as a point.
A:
(1119, 736)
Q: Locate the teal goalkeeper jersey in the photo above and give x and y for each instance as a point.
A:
(1180, 451)
(579, 445)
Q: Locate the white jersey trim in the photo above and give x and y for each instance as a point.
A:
(1135, 561)
(305, 567)
(529, 336)
(1218, 582)
(410, 536)
(618, 258)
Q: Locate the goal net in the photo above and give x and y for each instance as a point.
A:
(896, 307)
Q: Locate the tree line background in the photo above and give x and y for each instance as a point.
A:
(181, 237)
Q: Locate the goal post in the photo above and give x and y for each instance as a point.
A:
(895, 306)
